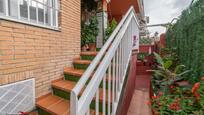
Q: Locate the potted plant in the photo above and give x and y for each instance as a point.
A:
(84, 45)
(163, 77)
(90, 32)
(93, 33)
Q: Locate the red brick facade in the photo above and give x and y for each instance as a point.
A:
(33, 52)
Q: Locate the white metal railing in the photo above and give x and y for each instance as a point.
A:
(108, 71)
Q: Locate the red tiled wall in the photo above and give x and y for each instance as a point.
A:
(145, 48)
(163, 40)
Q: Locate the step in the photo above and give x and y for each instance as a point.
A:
(75, 74)
(62, 88)
(81, 64)
(53, 105)
(88, 55)
(66, 87)
(72, 74)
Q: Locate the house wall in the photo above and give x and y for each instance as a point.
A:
(32, 52)
(118, 9)
(163, 40)
(147, 48)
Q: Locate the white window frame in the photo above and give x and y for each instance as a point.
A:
(28, 21)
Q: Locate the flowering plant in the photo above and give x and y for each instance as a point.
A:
(181, 101)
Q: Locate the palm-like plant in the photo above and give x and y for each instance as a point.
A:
(164, 77)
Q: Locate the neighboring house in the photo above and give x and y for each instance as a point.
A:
(38, 39)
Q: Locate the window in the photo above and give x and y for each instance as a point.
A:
(2, 6)
(35, 12)
(24, 9)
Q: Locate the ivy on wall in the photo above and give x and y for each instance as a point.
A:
(187, 36)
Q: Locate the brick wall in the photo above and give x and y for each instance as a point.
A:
(27, 51)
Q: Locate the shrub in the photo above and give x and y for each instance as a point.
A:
(109, 30)
(89, 31)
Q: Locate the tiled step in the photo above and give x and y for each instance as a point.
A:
(73, 74)
(53, 105)
(81, 64)
(88, 55)
(66, 87)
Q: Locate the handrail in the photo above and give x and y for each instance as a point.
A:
(80, 84)
(114, 50)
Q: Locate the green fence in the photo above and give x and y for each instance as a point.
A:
(187, 35)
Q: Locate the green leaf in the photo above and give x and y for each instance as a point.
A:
(187, 71)
(159, 59)
(178, 68)
(168, 64)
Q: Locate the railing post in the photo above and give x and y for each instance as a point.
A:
(74, 103)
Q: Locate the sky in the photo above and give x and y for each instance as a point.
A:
(163, 11)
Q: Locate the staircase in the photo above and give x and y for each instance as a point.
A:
(58, 102)
(95, 83)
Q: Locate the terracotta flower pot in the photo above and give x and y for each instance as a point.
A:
(92, 46)
(183, 83)
(84, 48)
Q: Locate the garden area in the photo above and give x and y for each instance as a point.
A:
(178, 72)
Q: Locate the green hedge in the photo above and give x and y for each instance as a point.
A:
(187, 35)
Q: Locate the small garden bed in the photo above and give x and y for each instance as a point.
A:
(174, 94)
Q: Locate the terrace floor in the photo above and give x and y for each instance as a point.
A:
(138, 105)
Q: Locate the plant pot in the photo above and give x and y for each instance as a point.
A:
(183, 83)
(92, 46)
(84, 48)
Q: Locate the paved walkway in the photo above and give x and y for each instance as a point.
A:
(138, 105)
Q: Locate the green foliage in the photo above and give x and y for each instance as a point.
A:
(170, 54)
(141, 56)
(159, 59)
(164, 77)
(181, 101)
(109, 30)
(201, 92)
(89, 5)
(89, 31)
(187, 36)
